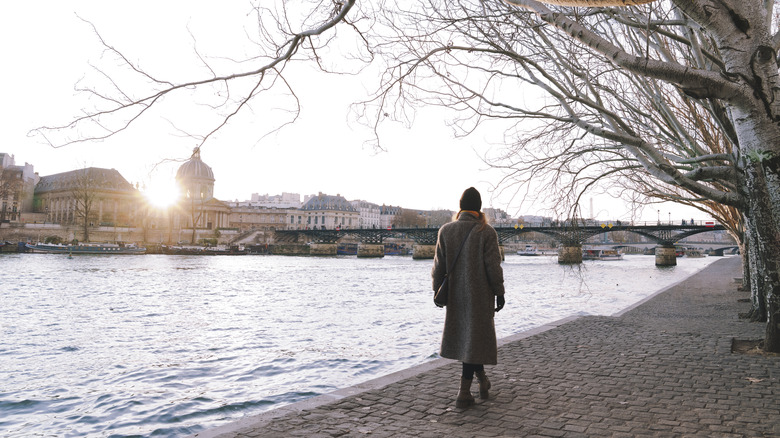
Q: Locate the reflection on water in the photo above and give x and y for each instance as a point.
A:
(170, 345)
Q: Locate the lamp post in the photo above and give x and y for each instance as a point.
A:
(670, 218)
(659, 217)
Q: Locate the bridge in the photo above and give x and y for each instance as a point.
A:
(570, 238)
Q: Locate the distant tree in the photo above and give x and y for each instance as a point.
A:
(10, 189)
(438, 218)
(408, 219)
(195, 202)
(85, 188)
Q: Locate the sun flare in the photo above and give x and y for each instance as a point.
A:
(162, 195)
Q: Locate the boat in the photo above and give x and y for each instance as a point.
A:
(396, 249)
(9, 247)
(85, 248)
(347, 248)
(529, 250)
(601, 254)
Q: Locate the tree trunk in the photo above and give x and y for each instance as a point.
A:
(744, 252)
(763, 181)
(755, 268)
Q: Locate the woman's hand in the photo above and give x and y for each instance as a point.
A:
(500, 302)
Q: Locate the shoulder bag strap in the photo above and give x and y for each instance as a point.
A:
(459, 250)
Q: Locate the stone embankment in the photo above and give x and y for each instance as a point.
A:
(663, 368)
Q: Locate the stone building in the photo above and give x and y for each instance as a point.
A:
(498, 217)
(197, 210)
(102, 197)
(246, 216)
(267, 213)
(370, 214)
(17, 187)
(329, 212)
(387, 215)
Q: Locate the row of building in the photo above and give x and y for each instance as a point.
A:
(95, 197)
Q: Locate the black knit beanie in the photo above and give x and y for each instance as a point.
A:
(471, 200)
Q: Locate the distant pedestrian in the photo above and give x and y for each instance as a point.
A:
(476, 292)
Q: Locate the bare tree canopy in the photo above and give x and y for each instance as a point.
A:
(675, 98)
(594, 3)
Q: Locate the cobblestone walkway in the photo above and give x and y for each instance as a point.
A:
(663, 368)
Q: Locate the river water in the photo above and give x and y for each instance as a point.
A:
(161, 345)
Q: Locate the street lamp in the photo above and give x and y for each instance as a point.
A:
(659, 217)
(670, 218)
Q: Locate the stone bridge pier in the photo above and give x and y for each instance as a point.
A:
(570, 254)
(371, 250)
(665, 255)
(423, 251)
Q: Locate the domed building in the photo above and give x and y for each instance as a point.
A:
(195, 178)
(198, 210)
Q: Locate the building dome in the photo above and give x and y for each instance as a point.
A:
(195, 169)
(195, 178)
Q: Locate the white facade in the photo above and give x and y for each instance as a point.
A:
(370, 214)
(329, 212)
(17, 185)
(388, 215)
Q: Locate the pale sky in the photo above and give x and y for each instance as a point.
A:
(46, 49)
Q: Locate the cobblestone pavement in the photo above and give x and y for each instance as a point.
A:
(663, 368)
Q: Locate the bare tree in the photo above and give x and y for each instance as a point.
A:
(408, 219)
(85, 187)
(10, 190)
(196, 206)
(674, 100)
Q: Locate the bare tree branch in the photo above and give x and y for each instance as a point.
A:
(119, 109)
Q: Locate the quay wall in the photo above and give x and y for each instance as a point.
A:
(39, 232)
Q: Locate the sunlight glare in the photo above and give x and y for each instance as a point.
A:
(162, 194)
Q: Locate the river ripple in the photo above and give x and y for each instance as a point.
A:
(169, 345)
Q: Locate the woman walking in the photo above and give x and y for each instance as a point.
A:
(476, 283)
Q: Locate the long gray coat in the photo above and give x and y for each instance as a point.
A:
(477, 278)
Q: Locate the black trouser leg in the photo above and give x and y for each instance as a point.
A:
(470, 368)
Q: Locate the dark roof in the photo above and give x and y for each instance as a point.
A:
(389, 209)
(327, 202)
(101, 179)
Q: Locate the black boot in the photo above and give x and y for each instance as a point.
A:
(465, 399)
(484, 384)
